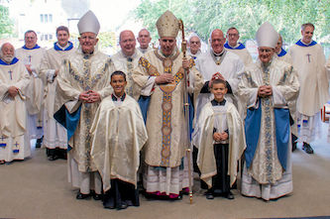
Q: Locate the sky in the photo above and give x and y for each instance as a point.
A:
(114, 13)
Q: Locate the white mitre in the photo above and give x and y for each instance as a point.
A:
(167, 25)
(266, 35)
(88, 23)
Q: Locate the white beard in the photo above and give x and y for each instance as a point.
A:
(8, 59)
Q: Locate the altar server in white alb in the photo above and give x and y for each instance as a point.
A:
(14, 78)
(309, 60)
(31, 55)
(236, 47)
(219, 136)
(55, 137)
(160, 78)
(82, 83)
(267, 86)
(218, 59)
(127, 59)
(119, 134)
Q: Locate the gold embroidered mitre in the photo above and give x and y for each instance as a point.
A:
(167, 25)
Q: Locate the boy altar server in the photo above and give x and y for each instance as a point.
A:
(118, 135)
(219, 136)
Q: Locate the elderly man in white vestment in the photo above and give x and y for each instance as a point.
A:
(31, 55)
(160, 77)
(14, 78)
(218, 59)
(144, 40)
(82, 83)
(236, 47)
(267, 86)
(127, 59)
(194, 46)
(309, 60)
(55, 137)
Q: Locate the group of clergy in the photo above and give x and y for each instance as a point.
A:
(128, 120)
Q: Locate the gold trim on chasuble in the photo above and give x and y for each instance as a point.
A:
(167, 106)
(266, 103)
(87, 82)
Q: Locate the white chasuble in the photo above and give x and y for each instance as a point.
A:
(79, 73)
(165, 119)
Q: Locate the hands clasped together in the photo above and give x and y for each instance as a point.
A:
(265, 91)
(89, 96)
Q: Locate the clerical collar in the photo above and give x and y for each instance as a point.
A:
(301, 43)
(143, 50)
(129, 58)
(238, 46)
(194, 56)
(174, 53)
(67, 47)
(35, 47)
(282, 53)
(15, 60)
(115, 98)
(216, 103)
(218, 57)
(219, 54)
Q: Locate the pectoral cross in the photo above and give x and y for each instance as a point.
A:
(11, 74)
(3, 143)
(17, 148)
(308, 56)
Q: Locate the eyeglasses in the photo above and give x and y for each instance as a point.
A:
(265, 50)
(194, 42)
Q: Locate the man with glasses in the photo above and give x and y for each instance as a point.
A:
(194, 46)
(218, 59)
(236, 47)
(83, 81)
(267, 86)
(127, 59)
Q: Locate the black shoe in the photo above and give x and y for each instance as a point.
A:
(307, 148)
(53, 157)
(209, 196)
(97, 197)
(109, 202)
(82, 196)
(229, 196)
(39, 142)
(123, 205)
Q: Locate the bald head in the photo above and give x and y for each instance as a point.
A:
(127, 42)
(7, 52)
(217, 41)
